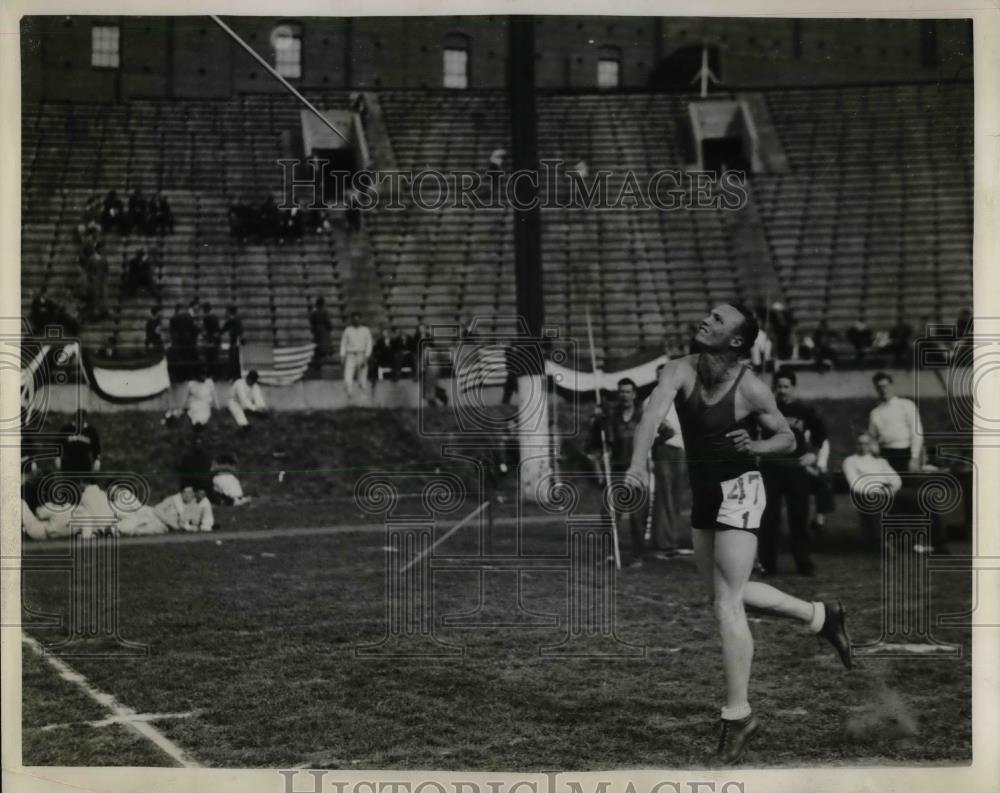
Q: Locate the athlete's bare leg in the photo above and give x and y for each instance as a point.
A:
(725, 560)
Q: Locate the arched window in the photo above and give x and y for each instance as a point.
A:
(456, 61)
(609, 65)
(286, 39)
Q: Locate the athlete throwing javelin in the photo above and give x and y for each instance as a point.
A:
(721, 404)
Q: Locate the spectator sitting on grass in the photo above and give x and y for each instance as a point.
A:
(246, 397)
(185, 511)
(866, 471)
(200, 400)
(85, 511)
(226, 486)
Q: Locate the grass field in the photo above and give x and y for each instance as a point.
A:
(252, 642)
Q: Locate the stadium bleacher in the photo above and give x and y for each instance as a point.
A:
(875, 206)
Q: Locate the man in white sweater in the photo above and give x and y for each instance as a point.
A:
(246, 397)
(866, 472)
(894, 424)
(355, 350)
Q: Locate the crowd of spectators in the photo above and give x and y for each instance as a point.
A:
(782, 339)
(138, 214)
(267, 221)
(366, 359)
(65, 496)
(196, 339)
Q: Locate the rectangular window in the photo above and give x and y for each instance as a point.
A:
(608, 74)
(456, 68)
(104, 46)
(288, 56)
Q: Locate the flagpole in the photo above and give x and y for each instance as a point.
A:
(273, 72)
(604, 442)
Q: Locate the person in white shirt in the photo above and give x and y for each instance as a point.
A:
(894, 424)
(183, 511)
(355, 350)
(201, 399)
(866, 471)
(671, 533)
(761, 352)
(246, 397)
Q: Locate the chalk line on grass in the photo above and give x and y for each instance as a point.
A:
(122, 714)
(270, 534)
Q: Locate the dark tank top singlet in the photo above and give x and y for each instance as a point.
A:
(711, 457)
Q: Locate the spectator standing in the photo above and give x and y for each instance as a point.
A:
(355, 350)
(762, 352)
(782, 330)
(964, 325)
(246, 397)
(900, 345)
(154, 330)
(182, 329)
(861, 338)
(399, 347)
(112, 213)
(232, 330)
(88, 431)
(619, 428)
(823, 351)
(42, 312)
(136, 217)
(787, 478)
(270, 217)
(139, 275)
(894, 424)
(97, 275)
(162, 215)
(427, 364)
(321, 326)
(383, 357)
(211, 335)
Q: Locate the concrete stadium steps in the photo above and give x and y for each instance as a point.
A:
(874, 218)
(879, 207)
(272, 284)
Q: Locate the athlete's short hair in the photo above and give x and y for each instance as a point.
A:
(878, 377)
(627, 381)
(787, 374)
(750, 328)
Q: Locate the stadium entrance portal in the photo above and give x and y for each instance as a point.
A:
(723, 154)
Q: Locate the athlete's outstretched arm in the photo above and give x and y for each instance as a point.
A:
(653, 413)
(764, 409)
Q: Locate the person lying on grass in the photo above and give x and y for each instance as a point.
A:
(226, 486)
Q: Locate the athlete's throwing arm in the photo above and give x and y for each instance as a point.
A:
(752, 400)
